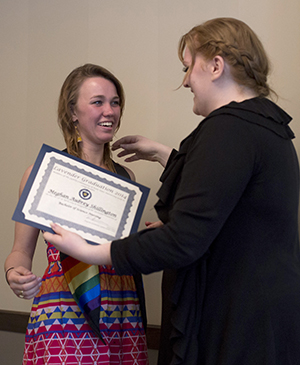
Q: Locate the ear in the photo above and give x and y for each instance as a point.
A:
(217, 67)
(73, 113)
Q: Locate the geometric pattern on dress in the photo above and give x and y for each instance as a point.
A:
(58, 333)
(83, 350)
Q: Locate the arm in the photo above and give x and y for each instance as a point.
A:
(20, 278)
(74, 245)
(214, 174)
(142, 149)
(216, 170)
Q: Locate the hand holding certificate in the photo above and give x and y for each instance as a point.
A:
(74, 245)
(95, 203)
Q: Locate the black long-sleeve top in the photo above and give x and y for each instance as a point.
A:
(229, 245)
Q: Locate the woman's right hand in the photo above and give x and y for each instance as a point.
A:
(142, 148)
(23, 282)
(19, 277)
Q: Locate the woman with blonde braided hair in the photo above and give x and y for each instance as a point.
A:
(229, 198)
(237, 44)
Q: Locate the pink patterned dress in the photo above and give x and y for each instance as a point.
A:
(58, 333)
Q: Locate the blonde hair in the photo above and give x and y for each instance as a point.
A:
(67, 102)
(240, 47)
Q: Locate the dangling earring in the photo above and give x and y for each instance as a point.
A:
(79, 139)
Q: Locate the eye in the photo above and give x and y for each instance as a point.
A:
(185, 68)
(98, 102)
(115, 102)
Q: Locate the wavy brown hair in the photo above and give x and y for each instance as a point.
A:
(67, 102)
(240, 47)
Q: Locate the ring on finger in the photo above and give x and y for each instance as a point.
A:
(21, 294)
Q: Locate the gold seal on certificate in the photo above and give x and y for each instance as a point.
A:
(95, 203)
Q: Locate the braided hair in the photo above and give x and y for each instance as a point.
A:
(240, 47)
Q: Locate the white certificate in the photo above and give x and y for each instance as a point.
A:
(95, 203)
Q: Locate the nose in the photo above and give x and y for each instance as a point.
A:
(107, 109)
(185, 82)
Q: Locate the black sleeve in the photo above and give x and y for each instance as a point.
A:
(217, 168)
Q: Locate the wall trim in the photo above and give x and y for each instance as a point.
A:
(13, 321)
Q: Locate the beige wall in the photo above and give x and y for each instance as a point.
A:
(42, 41)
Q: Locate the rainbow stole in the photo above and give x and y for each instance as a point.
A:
(84, 284)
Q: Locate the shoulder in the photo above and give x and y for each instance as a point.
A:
(124, 171)
(225, 137)
(224, 126)
(130, 173)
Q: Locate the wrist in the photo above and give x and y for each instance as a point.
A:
(6, 274)
(101, 255)
(163, 154)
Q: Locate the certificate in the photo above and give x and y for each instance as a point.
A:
(97, 204)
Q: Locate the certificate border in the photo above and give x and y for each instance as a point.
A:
(20, 217)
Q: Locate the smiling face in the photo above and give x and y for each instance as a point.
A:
(97, 111)
(199, 80)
